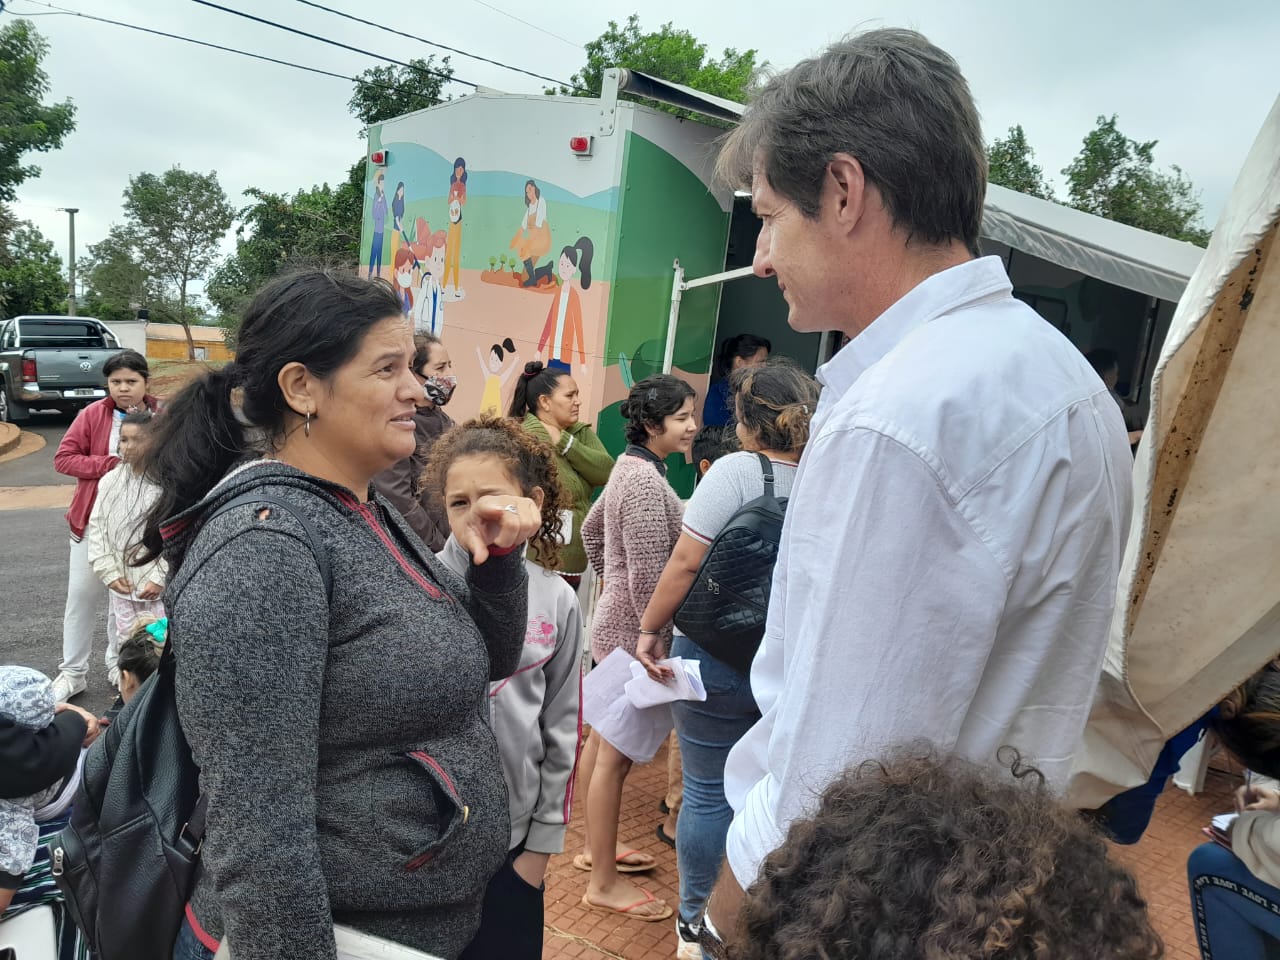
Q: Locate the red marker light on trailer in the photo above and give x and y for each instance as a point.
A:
(581, 145)
(378, 158)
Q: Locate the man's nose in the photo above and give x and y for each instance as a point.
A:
(762, 262)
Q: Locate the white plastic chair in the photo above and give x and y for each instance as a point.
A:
(29, 936)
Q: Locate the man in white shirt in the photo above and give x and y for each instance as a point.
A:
(953, 539)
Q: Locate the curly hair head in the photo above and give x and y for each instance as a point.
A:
(530, 461)
(775, 401)
(923, 858)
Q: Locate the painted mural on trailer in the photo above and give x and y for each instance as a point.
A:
(499, 262)
(510, 248)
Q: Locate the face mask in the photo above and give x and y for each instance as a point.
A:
(439, 390)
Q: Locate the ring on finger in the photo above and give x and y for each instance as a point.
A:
(511, 508)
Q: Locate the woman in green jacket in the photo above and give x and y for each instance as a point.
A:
(547, 401)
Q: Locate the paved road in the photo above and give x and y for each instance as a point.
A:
(33, 572)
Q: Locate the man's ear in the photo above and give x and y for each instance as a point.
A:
(844, 190)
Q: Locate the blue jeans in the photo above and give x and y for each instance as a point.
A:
(707, 732)
(1237, 916)
(188, 947)
(375, 254)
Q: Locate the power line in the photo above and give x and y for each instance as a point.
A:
(62, 11)
(512, 16)
(432, 43)
(334, 43)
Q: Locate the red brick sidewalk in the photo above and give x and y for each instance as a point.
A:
(573, 930)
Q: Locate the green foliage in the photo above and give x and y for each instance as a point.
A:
(1116, 177)
(277, 231)
(173, 226)
(1012, 163)
(385, 92)
(26, 123)
(668, 53)
(118, 284)
(31, 278)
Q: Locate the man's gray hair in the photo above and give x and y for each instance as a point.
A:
(892, 100)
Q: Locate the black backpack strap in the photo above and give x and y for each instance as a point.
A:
(191, 837)
(309, 528)
(767, 467)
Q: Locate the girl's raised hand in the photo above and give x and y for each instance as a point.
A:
(498, 524)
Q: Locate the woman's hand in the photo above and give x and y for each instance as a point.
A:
(553, 432)
(1257, 798)
(649, 650)
(500, 523)
(91, 726)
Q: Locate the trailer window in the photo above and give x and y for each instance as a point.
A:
(67, 334)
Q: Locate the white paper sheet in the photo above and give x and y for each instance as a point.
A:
(687, 685)
(605, 706)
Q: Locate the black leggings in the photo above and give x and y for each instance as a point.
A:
(511, 924)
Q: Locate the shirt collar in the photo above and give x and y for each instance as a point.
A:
(644, 453)
(954, 288)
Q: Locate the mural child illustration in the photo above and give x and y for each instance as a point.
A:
(428, 305)
(562, 332)
(495, 376)
(379, 213)
(453, 242)
(533, 238)
(397, 219)
(402, 278)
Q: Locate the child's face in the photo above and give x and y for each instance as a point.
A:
(133, 442)
(476, 476)
(128, 388)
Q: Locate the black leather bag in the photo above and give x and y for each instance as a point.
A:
(126, 861)
(724, 611)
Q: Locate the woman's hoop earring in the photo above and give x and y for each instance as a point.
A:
(306, 426)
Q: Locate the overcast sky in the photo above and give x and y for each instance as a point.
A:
(1199, 77)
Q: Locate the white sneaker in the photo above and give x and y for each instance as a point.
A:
(687, 946)
(66, 686)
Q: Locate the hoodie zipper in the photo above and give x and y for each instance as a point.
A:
(366, 513)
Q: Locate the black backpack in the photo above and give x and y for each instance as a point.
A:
(725, 609)
(126, 861)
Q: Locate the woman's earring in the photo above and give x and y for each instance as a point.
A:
(306, 426)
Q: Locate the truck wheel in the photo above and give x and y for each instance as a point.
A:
(4, 405)
(11, 412)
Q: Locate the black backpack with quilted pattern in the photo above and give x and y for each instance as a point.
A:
(724, 611)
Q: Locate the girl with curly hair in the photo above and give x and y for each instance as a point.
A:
(534, 712)
(1235, 884)
(927, 858)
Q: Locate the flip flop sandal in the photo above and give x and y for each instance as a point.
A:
(666, 913)
(663, 807)
(582, 863)
(662, 835)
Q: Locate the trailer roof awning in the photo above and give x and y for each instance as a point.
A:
(1114, 252)
(678, 95)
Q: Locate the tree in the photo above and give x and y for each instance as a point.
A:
(26, 123)
(1012, 163)
(30, 272)
(118, 285)
(1116, 178)
(385, 92)
(674, 55)
(277, 231)
(173, 226)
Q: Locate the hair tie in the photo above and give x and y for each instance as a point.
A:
(652, 395)
(530, 374)
(159, 631)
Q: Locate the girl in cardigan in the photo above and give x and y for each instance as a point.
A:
(548, 402)
(629, 535)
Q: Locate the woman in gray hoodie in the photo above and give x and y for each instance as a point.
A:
(349, 770)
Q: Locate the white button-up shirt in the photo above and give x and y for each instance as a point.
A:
(949, 562)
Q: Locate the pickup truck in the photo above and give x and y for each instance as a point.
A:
(52, 363)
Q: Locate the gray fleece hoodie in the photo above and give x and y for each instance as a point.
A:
(342, 742)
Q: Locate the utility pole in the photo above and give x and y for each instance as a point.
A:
(71, 261)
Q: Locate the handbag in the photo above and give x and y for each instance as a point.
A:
(724, 611)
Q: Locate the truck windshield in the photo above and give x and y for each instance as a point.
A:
(63, 333)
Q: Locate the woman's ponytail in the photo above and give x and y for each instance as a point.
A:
(537, 381)
(194, 443)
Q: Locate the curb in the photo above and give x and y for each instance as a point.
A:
(10, 437)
